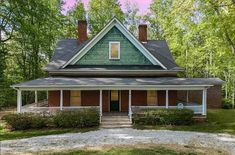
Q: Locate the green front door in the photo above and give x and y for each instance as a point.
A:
(114, 101)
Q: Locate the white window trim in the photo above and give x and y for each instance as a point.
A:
(119, 50)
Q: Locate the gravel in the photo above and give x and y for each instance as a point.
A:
(55, 143)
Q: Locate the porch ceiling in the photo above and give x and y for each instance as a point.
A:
(160, 83)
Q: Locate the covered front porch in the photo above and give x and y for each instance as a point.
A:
(114, 94)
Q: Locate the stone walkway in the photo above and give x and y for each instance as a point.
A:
(117, 137)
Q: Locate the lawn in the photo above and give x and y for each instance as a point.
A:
(6, 134)
(218, 121)
(143, 150)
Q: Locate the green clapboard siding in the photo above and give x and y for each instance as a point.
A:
(99, 54)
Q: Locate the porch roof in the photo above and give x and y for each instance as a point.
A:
(55, 83)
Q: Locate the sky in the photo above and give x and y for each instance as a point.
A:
(142, 4)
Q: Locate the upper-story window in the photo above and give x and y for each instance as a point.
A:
(114, 50)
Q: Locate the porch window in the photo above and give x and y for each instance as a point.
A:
(151, 97)
(75, 98)
(114, 50)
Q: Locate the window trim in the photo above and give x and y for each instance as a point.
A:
(119, 50)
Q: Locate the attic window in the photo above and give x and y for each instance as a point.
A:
(114, 50)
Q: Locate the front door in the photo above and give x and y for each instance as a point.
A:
(114, 101)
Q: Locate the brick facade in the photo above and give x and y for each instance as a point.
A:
(139, 98)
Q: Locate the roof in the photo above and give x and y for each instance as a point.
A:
(64, 51)
(160, 50)
(67, 48)
(66, 82)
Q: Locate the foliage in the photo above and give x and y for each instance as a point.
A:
(217, 121)
(201, 36)
(63, 119)
(163, 117)
(74, 14)
(101, 11)
(29, 30)
(25, 121)
(77, 118)
(227, 104)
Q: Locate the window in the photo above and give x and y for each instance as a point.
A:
(114, 50)
(152, 97)
(75, 98)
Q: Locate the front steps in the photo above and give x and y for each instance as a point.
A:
(115, 122)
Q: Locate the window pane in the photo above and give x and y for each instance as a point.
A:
(114, 50)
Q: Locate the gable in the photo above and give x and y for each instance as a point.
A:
(102, 33)
(99, 53)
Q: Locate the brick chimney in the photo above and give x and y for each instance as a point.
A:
(143, 33)
(82, 31)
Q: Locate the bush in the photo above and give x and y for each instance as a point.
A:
(163, 117)
(77, 118)
(64, 119)
(39, 122)
(19, 121)
(227, 104)
(25, 121)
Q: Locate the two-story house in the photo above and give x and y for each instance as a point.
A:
(116, 72)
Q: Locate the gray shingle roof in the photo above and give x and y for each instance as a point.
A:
(60, 82)
(67, 48)
(160, 50)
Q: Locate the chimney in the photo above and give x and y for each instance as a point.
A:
(143, 33)
(82, 31)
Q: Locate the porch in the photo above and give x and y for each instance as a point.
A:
(129, 94)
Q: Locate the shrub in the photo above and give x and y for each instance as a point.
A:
(25, 121)
(163, 117)
(39, 122)
(227, 104)
(77, 118)
(19, 121)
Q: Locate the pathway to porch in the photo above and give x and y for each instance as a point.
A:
(117, 137)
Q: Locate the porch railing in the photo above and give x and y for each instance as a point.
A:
(197, 109)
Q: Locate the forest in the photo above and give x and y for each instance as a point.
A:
(200, 34)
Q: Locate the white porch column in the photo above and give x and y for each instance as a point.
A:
(100, 104)
(36, 97)
(47, 94)
(130, 111)
(19, 101)
(204, 100)
(61, 99)
(167, 100)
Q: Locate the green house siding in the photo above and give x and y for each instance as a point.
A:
(99, 54)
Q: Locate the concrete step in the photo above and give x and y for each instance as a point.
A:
(116, 123)
(115, 119)
(115, 126)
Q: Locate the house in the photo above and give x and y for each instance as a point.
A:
(116, 72)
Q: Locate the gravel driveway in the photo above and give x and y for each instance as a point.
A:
(117, 137)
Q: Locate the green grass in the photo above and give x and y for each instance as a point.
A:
(142, 150)
(217, 121)
(6, 134)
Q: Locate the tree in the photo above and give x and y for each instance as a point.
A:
(201, 36)
(101, 11)
(30, 34)
(76, 13)
(132, 18)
